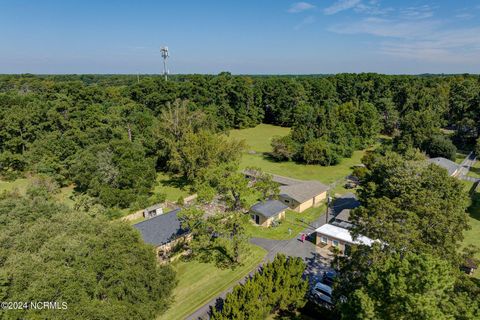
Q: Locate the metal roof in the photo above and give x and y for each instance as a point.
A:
(268, 208)
(342, 234)
(161, 229)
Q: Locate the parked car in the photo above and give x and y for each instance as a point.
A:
(329, 277)
(322, 293)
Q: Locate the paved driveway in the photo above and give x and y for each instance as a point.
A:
(308, 251)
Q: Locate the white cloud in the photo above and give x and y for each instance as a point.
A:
(341, 5)
(372, 7)
(415, 13)
(386, 28)
(300, 7)
(306, 21)
(424, 40)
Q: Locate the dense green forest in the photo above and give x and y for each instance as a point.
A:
(109, 134)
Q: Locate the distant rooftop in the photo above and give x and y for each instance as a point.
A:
(268, 208)
(303, 191)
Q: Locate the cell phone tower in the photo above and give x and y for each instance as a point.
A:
(165, 55)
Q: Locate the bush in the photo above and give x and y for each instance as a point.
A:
(440, 146)
(319, 151)
(283, 148)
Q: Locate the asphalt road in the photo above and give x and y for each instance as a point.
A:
(293, 247)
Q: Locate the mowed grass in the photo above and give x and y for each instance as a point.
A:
(20, 185)
(475, 170)
(258, 139)
(174, 189)
(198, 283)
(461, 155)
(472, 236)
(295, 221)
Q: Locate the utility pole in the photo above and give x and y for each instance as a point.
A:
(165, 55)
(329, 199)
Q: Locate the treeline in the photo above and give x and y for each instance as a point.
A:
(417, 213)
(91, 267)
(278, 287)
(110, 134)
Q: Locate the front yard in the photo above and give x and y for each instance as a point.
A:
(258, 141)
(198, 283)
(293, 220)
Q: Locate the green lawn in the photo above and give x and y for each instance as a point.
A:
(475, 170)
(258, 139)
(201, 282)
(291, 169)
(293, 220)
(461, 155)
(64, 195)
(173, 188)
(19, 184)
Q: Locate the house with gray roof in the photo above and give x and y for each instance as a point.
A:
(452, 168)
(301, 196)
(162, 231)
(264, 213)
(298, 195)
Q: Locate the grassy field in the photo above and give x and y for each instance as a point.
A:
(174, 189)
(461, 155)
(201, 282)
(258, 139)
(475, 170)
(293, 220)
(20, 185)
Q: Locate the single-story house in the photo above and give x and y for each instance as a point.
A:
(452, 168)
(163, 231)
(298, 195)
(330, 235)
(304, 195)
(264, 213)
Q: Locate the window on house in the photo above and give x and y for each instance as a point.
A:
(335, 243)
(324, 240)
(286, 201)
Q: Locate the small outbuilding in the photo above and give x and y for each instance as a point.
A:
(264, 213)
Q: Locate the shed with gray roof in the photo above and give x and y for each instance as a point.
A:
(264, 213)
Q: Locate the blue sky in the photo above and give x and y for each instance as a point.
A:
(256, 37)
